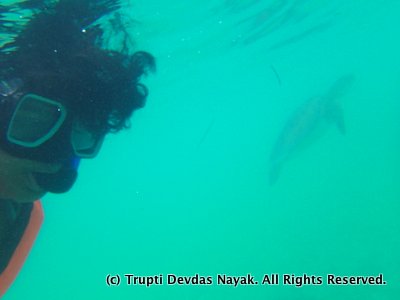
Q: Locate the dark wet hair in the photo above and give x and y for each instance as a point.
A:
(60, 54)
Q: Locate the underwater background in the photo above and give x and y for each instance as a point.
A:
(186, 189)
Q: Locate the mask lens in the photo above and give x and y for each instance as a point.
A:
(85, 143)
(35, 120)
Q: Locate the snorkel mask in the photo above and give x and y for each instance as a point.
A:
(42, 129)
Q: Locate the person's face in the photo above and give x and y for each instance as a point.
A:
(16, 178)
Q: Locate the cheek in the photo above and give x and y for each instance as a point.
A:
(13, 178)
(14, 188)
(9, 173)
(9, 182)
(10, 165)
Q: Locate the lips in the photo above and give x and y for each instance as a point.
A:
(31, 180)
(32, 184)
(59, 182)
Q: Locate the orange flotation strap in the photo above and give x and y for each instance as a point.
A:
(23, 248)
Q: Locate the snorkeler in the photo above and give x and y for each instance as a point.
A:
(61, 91)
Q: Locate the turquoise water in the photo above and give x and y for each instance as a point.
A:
(186, 189)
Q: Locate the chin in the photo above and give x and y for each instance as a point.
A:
(28, 197)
